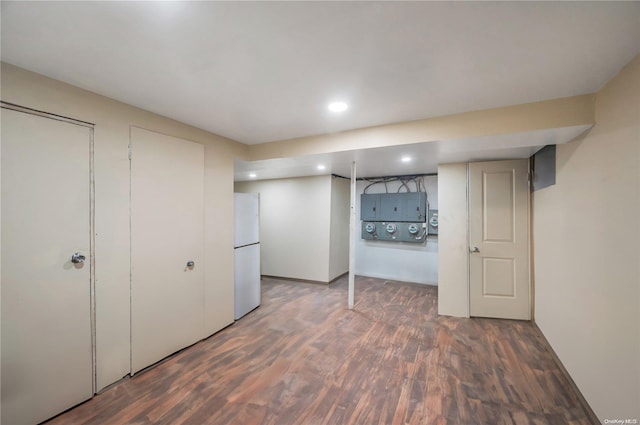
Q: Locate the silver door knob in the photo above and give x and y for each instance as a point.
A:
(78, 258)
(474, 249)
(191, 263)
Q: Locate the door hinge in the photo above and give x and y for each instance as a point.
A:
(129, 152)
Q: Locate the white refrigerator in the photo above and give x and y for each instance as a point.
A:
(246, 253)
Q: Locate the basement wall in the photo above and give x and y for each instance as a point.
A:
(587, 261)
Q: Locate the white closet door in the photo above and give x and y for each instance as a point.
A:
(167, 232)
(46, 322)
(499, 239)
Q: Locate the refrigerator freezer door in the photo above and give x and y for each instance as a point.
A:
(247, 279)
(246, 223)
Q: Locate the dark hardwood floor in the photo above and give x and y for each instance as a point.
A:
(303, 358)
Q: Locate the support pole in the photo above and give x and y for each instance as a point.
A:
(352, 233)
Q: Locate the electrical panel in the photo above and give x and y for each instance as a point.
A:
(433, 222)
(391, 207)
(394, 207)
(414, 206)
(369, 207)
(398, 217)
(394, 231)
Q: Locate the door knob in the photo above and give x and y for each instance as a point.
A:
(78, 258)
(191, 263)
(474, 249)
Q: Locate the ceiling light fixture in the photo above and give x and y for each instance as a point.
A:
(252, 175)
(338, 107)
(406, 159)
(321, 167)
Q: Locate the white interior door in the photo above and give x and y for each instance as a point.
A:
(499, 239)
(167, 231)
(46, 317)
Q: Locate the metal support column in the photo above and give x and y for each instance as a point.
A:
(352, 232)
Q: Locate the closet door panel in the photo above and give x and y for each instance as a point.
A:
(47, 364)
(167, 243)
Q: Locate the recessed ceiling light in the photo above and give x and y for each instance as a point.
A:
(321, 167)
(338, 107)
(252, 175)
(406, 159)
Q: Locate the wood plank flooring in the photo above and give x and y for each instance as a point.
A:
(303, 358)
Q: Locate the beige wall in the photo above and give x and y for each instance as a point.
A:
(304, 226)
(112, 120)
(339, 233)
(587, 260)
(453, 265)
(294, 226)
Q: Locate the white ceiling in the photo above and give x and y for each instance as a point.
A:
(264, 71)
